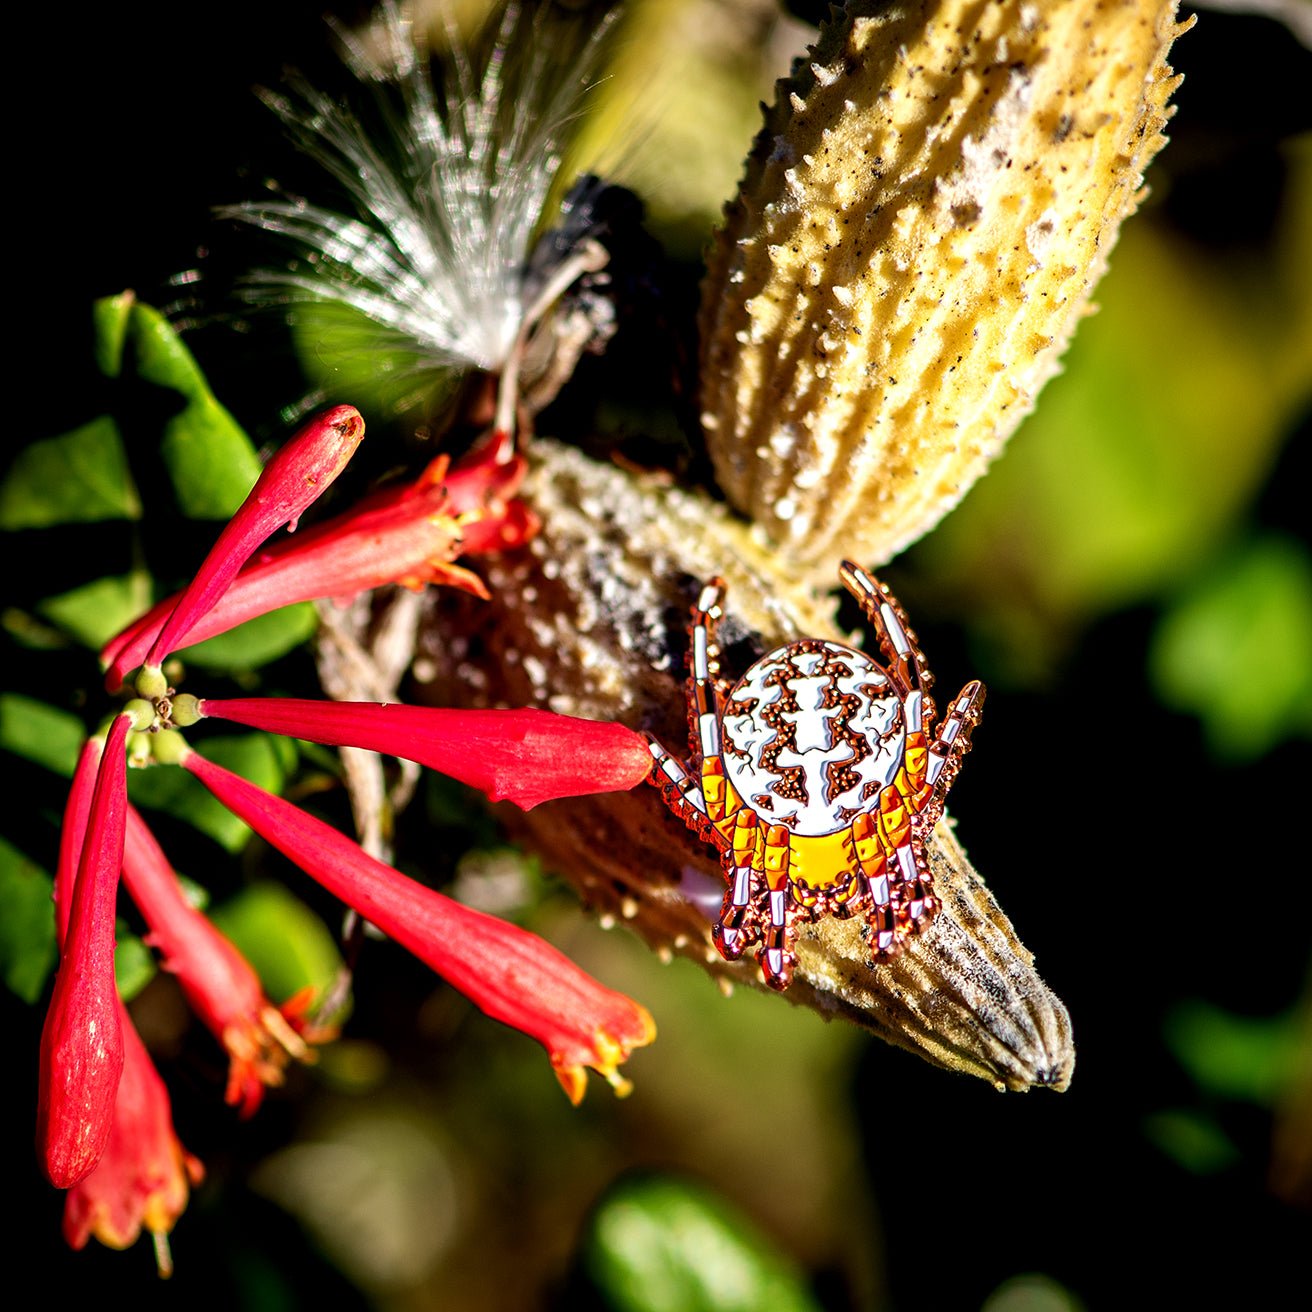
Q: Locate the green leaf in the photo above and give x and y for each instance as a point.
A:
(1192, 1141)
(663, 1245)
(110, 317)
(258, 757)
(28, 631)
(41, 733)
(289, 946)
(134, 966)
(81, 477)
(1241, 1057)
(27, 927)
(95, 612)
(258, 641)
(210, 460)
(1236, 650)
(347, 354)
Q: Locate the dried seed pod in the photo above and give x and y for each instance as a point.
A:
(592, 620)
(922, 218)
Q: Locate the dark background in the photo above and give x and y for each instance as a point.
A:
(1148, 874)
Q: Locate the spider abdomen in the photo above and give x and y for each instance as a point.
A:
(813, 732)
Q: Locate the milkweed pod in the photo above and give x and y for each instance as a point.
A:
(921, 221)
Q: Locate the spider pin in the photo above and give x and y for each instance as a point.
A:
(819, 778)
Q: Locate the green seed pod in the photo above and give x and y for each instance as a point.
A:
(186, 710)
(141, 711)
(922, 219)
(152, 684)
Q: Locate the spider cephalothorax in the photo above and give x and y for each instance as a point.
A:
(818, 779)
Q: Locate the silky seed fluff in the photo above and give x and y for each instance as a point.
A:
(922, 218)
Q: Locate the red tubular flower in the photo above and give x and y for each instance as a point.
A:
(217, 980)
(82, 1042)
(73, 833)
(527, 756)
(481, 489)
(289, 483)
(510, 974)
(406, 535)
(144, 1175)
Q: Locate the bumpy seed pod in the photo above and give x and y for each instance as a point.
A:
(922, 218)
(592, 619)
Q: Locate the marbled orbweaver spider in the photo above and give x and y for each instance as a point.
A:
(818, 779)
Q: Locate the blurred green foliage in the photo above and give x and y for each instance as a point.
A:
(256, 643)
(40, 733)
(80, 477)
(94, 612)
(664, 1245)
(210, 460)
(27, 928)
(1235, 649)
(1239, 1057)
(290, 947)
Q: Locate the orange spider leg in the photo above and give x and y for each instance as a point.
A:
(776, 960)
(910, 879)
(950, 744)
(913, 779)
(715, 791)
(894, 818)
(913, 889)
(736, 926)
(872, 858)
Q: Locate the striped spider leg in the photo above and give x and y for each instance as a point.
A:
(909, 902)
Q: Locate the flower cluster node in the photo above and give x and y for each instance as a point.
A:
(184, 711)
(142, 713)
(151, 684)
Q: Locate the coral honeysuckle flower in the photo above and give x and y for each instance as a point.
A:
(218, 981)
(512, 975)
(526, 756)
(82, 1042)
(408, 534)
(144, 1175)
(292, 480)
(73, 833)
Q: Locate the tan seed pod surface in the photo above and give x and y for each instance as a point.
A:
(923, 216)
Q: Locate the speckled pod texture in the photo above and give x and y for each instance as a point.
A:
(922, 218)
(592, 620)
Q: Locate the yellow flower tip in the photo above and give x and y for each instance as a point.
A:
(102, 1226)
(573, 1079)
(262, 1045)
(617, 1082)
(160, 1191)
(277, 1025)
(608, 1054)
(434, 472)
